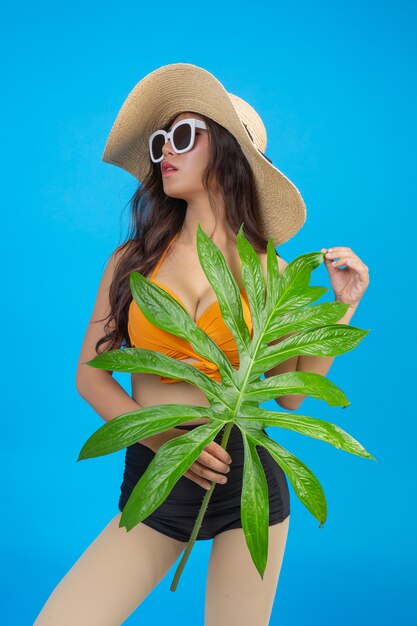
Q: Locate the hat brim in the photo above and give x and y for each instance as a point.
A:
(172, 89)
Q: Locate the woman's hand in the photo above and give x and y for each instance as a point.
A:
(349, 283)
(212, 463)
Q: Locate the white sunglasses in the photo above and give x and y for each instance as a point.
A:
(182, 137)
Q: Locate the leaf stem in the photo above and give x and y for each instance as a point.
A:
(200, 517)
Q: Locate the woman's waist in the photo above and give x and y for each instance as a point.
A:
(148, 390)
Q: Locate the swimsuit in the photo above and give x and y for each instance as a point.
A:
(176, 516)
(143, 334)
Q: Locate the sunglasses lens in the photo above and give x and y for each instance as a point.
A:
(181, 140)
(157, 144)
(182, 136)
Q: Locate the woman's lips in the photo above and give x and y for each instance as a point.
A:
(168, 172)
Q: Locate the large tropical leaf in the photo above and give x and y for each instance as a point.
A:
(279, 305)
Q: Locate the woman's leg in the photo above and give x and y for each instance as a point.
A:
(112, 577)
(236, 595)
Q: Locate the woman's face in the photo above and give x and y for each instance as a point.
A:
(186, 182)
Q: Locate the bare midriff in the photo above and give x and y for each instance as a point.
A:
(148, 390)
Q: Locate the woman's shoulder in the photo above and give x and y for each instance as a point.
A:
(124, 248)
(282, 264)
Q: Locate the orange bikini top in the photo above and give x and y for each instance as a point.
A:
(143, 334)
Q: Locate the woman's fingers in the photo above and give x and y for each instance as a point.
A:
(203, 470)
(217, 451)
(213, 462)
(197, 479)
(347, 257)
(203, 475)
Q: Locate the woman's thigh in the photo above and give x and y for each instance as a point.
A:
(236, 595)
(112, 577)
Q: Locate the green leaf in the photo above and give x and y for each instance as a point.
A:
(130, 428)
(138, 360)
(330, 340)
(279, 304)
(306, 383)
(224, 286)
(305, 425)
(255, 505)
(306, 318)
(306, 485)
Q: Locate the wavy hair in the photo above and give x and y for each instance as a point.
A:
(155, 218)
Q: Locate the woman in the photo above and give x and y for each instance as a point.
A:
(209, 170)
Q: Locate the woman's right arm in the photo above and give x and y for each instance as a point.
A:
(110, 400)
(96, 386)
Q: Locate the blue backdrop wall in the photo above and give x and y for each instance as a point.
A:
(335, 85)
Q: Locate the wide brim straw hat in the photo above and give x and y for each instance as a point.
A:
(173, 89)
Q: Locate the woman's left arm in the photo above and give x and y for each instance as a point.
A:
(349, 284)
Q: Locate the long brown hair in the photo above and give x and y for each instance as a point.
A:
(155, 218)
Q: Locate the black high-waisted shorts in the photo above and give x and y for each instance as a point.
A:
(176, 516)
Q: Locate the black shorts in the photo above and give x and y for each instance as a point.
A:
(176, 516)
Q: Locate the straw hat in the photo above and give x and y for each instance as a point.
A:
(172, 89)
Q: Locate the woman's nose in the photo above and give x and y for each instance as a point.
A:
(167, 147)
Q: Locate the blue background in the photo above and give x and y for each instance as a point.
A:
(335, 86)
